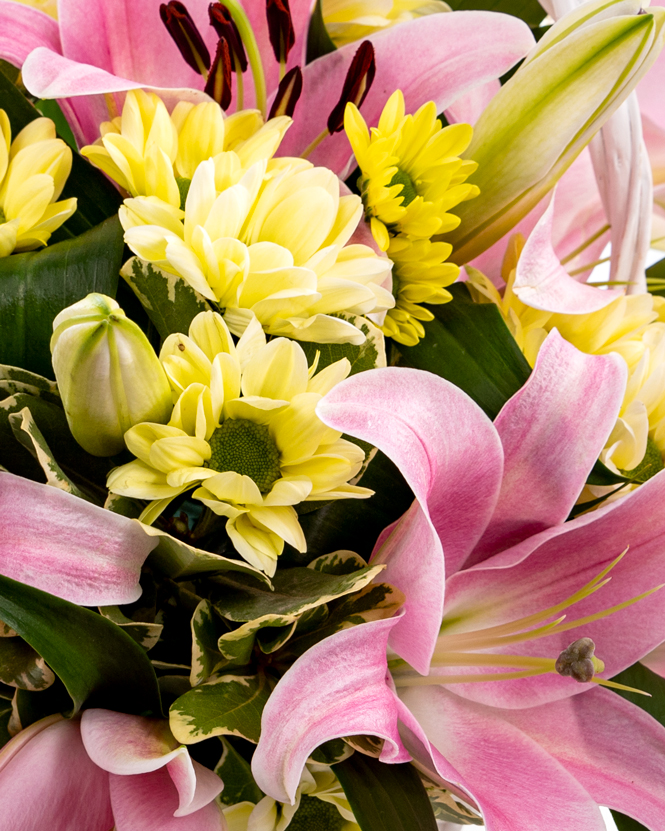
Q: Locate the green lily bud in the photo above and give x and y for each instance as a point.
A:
(537, 124)
(108, 374)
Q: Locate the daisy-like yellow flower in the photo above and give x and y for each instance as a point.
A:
(269, 242)
(33, 171)
(151, 153)
(411, 176)
(351, 20)
(245, 435)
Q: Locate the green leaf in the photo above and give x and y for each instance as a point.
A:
(367, 355)
(169, 301)
(97, 198)
(145, 634)
(206, 657)
(530, 11)
(470, 345)
(319, 41)
(228, 705)
(98, 663)
(13, 379)
(339, 562)
(641, 678)
(603, 476)
(236, 773)
(51, 109)
(36, 286)
(22, 667)
(385, 796)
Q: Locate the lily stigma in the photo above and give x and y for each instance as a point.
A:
(465, 649)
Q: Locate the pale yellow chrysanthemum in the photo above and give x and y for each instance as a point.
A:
(351, 20)
(33, 171)
(245, 434)
(270, 241)
(633, 326)
(151, 153)
(49, 7)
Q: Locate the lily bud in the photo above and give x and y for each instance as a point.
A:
(280, 28)
(538, 123)
(187, 37)
(288, 93)
(357, 84)
(218, 85)
(225, 26)
(108, 374)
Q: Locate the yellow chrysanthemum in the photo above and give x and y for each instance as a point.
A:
(245, 434)
(633, 326)
(351, 20)
(270, 241)
(410, 178)
(151, 153)
(33, 171)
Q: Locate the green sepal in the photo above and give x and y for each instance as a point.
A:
(385, 796)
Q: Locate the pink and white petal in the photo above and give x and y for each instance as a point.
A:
(337, 688)
(68, 547)
(515, 782)
(550, 567)
(469, 107)
(435, 58)
(23, 29)
(615, 750)
(124, 744)
(128, 39)
(148, 802)
(543, 283)
(552, 432)
(196, 784)
(48, 781)
(655, 660)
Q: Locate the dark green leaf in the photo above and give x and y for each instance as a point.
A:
(97, 197)
(98, 663)
(469, 344)
(22, 667)
(36, 286)
(318, 40)
(530, 11)
(51, 109)
(625, 823)
(385, 796)
(367, 355)
(169, 301)
(657, 272)
(603, 476)
(235, 772)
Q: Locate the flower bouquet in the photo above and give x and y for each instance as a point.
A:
(332, 415)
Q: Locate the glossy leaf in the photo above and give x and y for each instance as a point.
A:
(235, 772)
(228, 705)
(169, 301)
(385, 796)
(36, 286)
(469, 344)
(97, 198)
(98, 663)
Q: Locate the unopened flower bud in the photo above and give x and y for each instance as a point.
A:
(288, 93)
(218, 85)
(357, 84)
(280, 28)
(225, 26)
(187, 37)
(108, 374)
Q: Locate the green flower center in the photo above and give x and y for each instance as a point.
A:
(246, 448)
(651, 464)
(316, 815)
(409, 192)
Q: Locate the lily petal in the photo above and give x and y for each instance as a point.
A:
(61, 544)
(450, 454)
(552, 432)
(23, 29)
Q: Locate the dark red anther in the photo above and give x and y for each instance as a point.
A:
(280, 28)
(218, 85)
(225, 26)
(187, 37)
(288, 93)
(357, 84)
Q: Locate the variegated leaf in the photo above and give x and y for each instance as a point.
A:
(206, 656)
(22, 667)
(14, 379)
(235, 772)
(339, 562)
(145, 634)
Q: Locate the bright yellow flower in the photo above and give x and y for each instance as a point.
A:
(350, 20)
(633, 326)
(410, 178)
(33, 171)
(244, 433)
(49, 7)
(151, 153)
(270, 241)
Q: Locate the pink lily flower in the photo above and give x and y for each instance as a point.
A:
(68, 547)
(97, 48)
(105, 770)
(484, 710)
